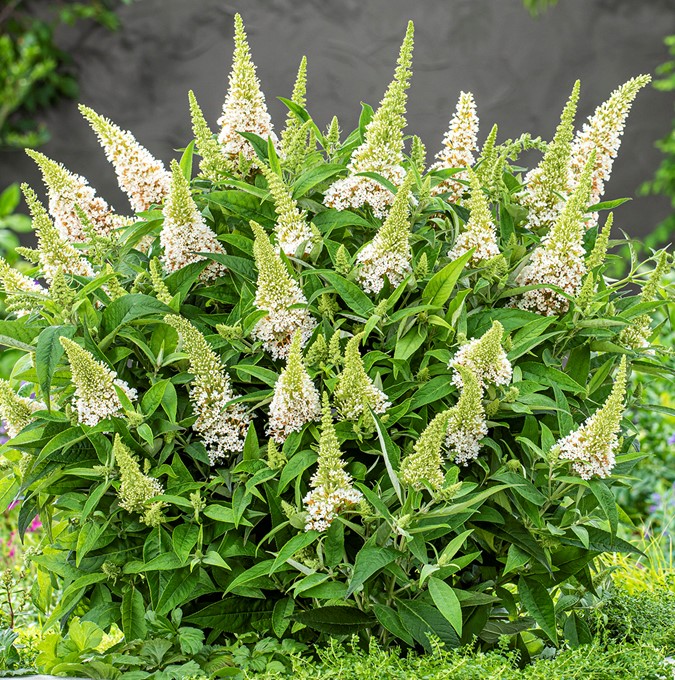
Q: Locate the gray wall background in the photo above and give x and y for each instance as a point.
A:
(520, 70)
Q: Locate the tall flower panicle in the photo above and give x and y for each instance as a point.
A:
(16, 412)
(489, 156)
(136, 489)
(279, 295)
(214, 165)
(294, 136)
(466, 422)
(244, 108)
(602, 135)
(296, 401)
(595, 259)
(222, 426)
(382, 148)
(291, 229)
(389, 253)
(67, 190)
(54, 252)
(140, 175)
(425, 464)
(480, 232)
(355, 394)
(18, 285)
(560, 259)
(485, 358)
(459, 146)
(592, 447)
(185, 234)
(96, 395)
(549, 184)
(332, 488)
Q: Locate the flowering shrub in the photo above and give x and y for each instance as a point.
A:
(312, 388)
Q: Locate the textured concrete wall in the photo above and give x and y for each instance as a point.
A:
(520, 71)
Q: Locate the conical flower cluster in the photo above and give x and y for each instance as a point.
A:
(214, 164)
(244, 108)
(136, 489)
(459, 146)
(485, 358)
(466, 423)
(425, 464)
(382, 149)
(296, 401)
(278, 294)
(549, 184)
(602, 135)
(185, 233)
(95, 395)
(222, 426)
(332, 489)
(355, 394)
(560, 259)
(54, 252)
(291, 229)
(142, 177)
(67, 190)
(389, 253)
(294, 136)
(16, 412)
(592, 447)
(480, 232)
(16, 284)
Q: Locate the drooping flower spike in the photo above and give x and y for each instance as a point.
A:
(279, 295)
(296, 400)
(67, 190)
(140, 175)
(389, 253)
(460, 145)
(222, 426)
(549, 184)
(485, 358)
(382, 149)
(480, 231)
(96, 395)
(602, 135)
(331, 487)
(54, 253)
(560, 259)
(592, 447)
(244, 108)
(185, 234)
(16, 412)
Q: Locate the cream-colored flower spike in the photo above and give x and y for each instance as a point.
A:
(16, 412)
(95, 395)
(54, 253)
(244, 109)
(382, 149)
(332, 488)
(485, 358)
(460, 145)
(136, 489)
(67, 190)
(425, 464)
(466, 423)
(296, 401)
(389, 253)
(140, 175)
(14, 283)
(185, 234)
(602, 135)
(222, 426)
(214, 164)
(592, 447)
(480, 232)
(279, 295)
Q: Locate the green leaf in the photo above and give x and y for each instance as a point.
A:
(440, 287)
(127, 308)
(295, 467)
(309, 179)
(370, 559)
(186, 160)
(357, 301)
(335, 620)
(606, 501)
(283, 609)
(445, 599)
(538, 603)
(422, 619)
(133, 615)
(48, 353)
(296, 543)
(245, 206)
(387, 448)
(392, 622)
(178, 590)
(184, 539)
(153, 397)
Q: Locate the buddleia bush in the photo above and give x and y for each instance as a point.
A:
(313, 387)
